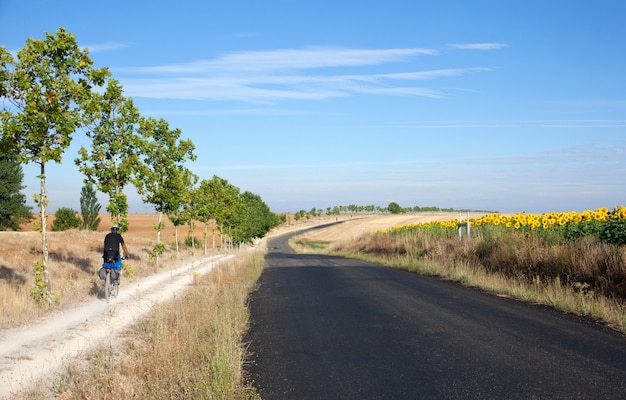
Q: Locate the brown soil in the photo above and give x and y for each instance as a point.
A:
(141, 225)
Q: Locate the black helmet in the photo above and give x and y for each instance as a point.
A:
(115, 228)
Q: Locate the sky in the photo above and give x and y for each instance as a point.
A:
(510, 106)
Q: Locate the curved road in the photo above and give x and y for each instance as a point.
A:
(326, 327)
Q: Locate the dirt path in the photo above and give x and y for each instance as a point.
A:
(30, 354)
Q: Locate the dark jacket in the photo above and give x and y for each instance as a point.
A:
(112, 243)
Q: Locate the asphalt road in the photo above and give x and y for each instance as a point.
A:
(333, 328)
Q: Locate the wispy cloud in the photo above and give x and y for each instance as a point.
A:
(433, 74)
(289, 59)
(312, 73)
(275, 87)
(104, 47)
(478, 46)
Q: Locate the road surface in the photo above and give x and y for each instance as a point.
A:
(326, 327)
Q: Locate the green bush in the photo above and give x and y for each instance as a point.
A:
(65, 218)
(157, 251)
(195, 242)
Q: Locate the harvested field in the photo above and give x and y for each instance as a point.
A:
(141, 225)
(75, 256)
(354, 226)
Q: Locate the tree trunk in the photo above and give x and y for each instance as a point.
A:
(176, 236)
(193, 239)
(192, 228)
(206, 238)
(156, 260)
(43, 200)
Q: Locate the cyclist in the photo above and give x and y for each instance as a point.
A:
(112, 243)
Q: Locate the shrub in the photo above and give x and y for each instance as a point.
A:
(156, 251)
(39, 292)
(193, 242)
(65, 218)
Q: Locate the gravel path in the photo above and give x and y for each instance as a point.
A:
(38, 351)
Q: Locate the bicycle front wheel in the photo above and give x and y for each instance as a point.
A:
(115, 288)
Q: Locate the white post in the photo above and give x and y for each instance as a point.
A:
(465, 224)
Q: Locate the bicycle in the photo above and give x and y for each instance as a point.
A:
(111, 279)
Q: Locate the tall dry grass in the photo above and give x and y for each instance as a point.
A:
(75, 256)
(187, 349)
(584, 276)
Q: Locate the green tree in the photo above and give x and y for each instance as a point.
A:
(299, 215)
(64, 219)
(112, 160)
(256, 218)
(202, 213)
(181, 211)
(394, 208)
(161, 177)
(13, 209)
(46, 87)
(220, 200)
(89, 208)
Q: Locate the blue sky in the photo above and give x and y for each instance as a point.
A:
(508, 106)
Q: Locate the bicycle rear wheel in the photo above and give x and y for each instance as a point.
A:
(107, 286)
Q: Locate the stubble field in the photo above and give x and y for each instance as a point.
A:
(75, 256)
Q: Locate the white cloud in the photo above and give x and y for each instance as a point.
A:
(271, 76)
(288, 59)
(104, 47)
(437, 73)
(273, 88)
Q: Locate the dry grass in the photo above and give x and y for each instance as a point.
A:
(74, 259)
(186, 349)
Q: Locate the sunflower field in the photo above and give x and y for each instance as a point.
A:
(608, 226)
(579, 249)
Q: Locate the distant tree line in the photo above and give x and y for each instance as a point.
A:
(391, 208)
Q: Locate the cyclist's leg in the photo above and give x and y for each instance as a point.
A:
(118, 268)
